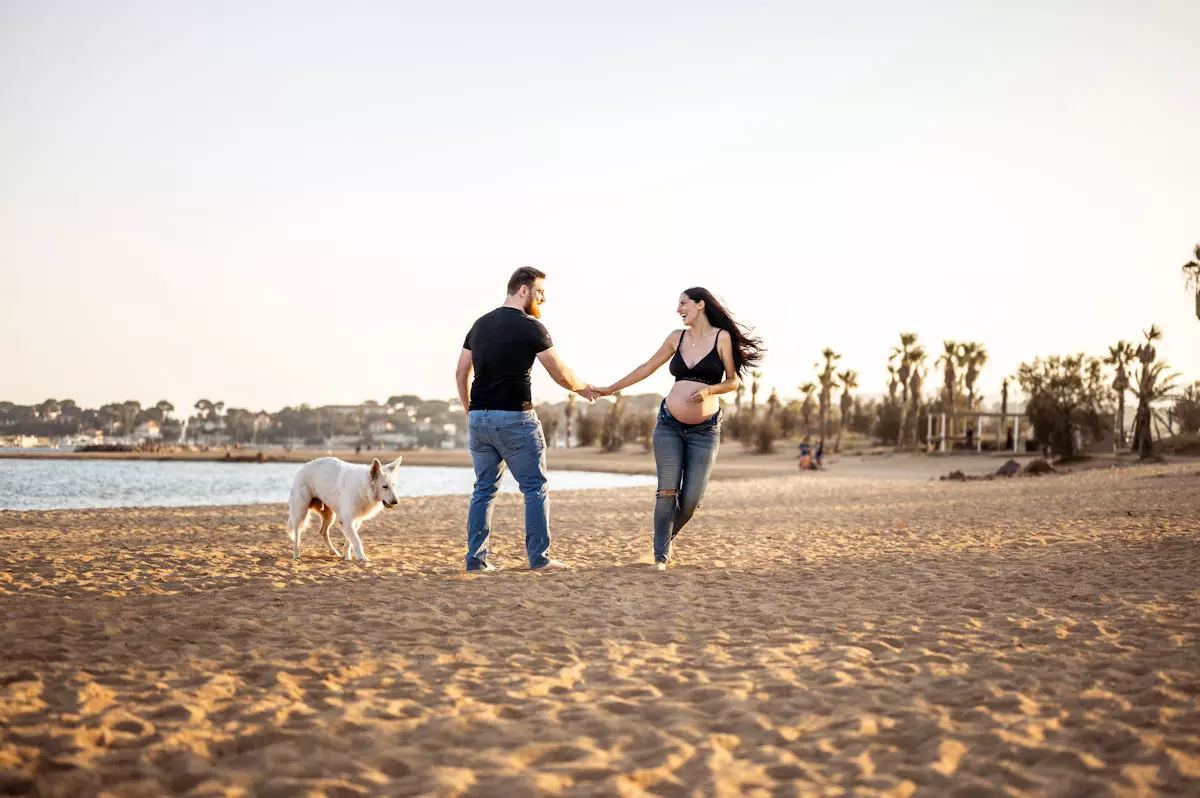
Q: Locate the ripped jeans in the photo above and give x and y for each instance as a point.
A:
(684, 455)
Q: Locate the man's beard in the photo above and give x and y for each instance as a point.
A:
(533, 307)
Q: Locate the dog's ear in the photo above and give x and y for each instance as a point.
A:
(375, 468)
(392, 466)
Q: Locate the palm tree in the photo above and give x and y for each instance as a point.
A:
(1003, 410)
(975, 357)
(916, 357)
(1191, 274)
(570, 415)
(755, 376)
(826, 378)
(614, 424)
(1152, 385)
(1121, 355)
(903, 354)
(893, 381)
(900, 353)
(849, 381)
(772, 404)
(949, 358)
(806, 409)
(1161, 386)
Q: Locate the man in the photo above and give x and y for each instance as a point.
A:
(502, 428)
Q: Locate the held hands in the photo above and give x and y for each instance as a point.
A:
(592, 392)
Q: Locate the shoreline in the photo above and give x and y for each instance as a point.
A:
(733, 462)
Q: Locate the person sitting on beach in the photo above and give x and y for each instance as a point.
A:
(502, 427)
(806, 463)
(706, 360)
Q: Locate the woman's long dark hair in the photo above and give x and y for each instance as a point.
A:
(748, 350)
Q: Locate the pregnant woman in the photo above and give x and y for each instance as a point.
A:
(706, 361)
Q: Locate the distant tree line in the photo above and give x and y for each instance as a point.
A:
(427, 422)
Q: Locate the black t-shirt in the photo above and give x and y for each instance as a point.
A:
(503, 344)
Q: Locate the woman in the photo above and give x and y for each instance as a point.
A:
(706, 360)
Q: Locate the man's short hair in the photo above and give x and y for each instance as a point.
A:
(526, 275)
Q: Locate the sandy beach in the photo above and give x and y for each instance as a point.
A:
(820, 636)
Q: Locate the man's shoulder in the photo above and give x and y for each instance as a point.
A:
(515, 316)
(505, 316)
(536, 323)
(490, 319)
(491, 314)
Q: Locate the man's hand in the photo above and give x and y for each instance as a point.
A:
(589, 392)
(603, 391)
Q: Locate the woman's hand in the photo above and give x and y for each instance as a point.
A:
(698, 396)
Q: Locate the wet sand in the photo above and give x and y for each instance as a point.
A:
(820, 636)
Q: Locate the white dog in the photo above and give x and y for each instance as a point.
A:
(335, 488)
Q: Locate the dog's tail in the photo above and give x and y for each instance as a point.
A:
(297, 509)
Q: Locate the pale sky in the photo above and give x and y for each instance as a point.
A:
(276, 203)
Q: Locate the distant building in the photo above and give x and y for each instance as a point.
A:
(147, 431)
(340, 410)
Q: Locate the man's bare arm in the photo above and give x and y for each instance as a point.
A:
(462, 374)
(561, 373)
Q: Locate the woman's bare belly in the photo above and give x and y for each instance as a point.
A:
(680, 403)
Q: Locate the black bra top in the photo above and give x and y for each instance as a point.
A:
(708, 370)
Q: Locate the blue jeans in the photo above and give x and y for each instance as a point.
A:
(513, 438)
(684, 454)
